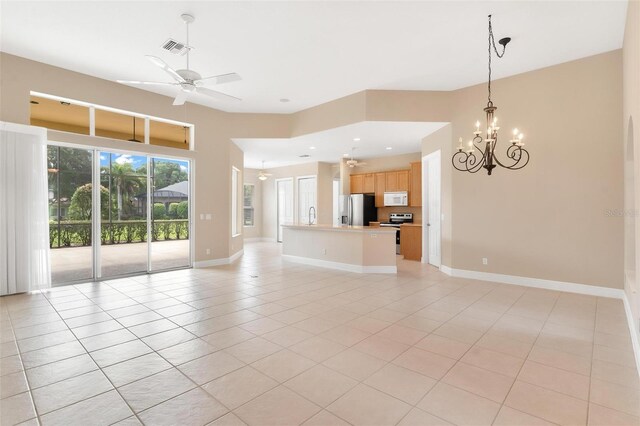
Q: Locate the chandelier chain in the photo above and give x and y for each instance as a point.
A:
(492, 45)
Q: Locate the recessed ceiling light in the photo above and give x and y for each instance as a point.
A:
(312, 147)
(285, 100)
(389, 148)
(345, 155)
(356, 139)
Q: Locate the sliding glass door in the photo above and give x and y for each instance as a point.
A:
(135, 221)
(70, 213)
(123, 224)
(170, 214)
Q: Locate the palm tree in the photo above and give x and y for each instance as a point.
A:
(126, 181)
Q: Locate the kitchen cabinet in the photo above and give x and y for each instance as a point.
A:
(411, 241)
(363, 183)
(403, 180)
(391, 182)
(397, 181)
(356, 184)
(415, 191)
(369, 183)
(380, 179)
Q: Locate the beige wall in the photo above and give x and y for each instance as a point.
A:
(545, 221)
(549, 219)
(255, 231)
(383, 164)
(325, 193)
(631, 147)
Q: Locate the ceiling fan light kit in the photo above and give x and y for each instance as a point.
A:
(188, 80)
(262, 174)
(354, 163)
(467, 161)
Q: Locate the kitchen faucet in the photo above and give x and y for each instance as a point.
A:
(314, 214)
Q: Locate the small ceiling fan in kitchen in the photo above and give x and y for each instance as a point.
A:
(188, 80)
(354, 163)
(262, 174)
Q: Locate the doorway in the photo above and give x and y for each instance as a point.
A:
(284, 204)
(431, 212)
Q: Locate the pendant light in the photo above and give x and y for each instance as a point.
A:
(517, 156)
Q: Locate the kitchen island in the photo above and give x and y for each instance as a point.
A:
(360, 249)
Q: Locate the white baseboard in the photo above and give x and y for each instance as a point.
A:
(218, 262)
(590, 290)
(446, 270)
(259, 240)
(341, 266)
(633, 329)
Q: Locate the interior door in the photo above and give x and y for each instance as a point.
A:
(284, 193)
(431, 170)
(306, 199)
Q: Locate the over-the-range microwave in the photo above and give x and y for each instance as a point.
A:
(399, 198)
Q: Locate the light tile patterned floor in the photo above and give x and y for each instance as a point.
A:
(263, 342)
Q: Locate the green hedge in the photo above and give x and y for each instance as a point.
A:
(78, 233)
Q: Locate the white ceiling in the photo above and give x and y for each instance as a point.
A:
(310, 52)
(330, 145)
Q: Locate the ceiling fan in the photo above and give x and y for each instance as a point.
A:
(188, 80)
(262, 174)
(354, 163)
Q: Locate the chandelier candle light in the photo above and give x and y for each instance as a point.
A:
(469, 161)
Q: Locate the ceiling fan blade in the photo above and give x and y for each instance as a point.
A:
(146, 83)
(220, 79)
(216, 94)
(166, 68)
(180, 98)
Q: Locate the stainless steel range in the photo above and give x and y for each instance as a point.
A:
(395, 220)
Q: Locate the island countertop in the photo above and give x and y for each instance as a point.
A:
(337, 228)
(361, 249)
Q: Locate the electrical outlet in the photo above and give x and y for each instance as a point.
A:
(324, 251)
(208, 251)
(485, 261)
(374, 235)
(201, 216)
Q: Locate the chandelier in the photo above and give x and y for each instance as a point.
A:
(472, 162)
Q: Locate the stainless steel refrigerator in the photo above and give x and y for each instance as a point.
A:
(358, 209)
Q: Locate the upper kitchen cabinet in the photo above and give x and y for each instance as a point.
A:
(362, 184)
(391, 182)
(397, 181)
(415, 193)
(380, 188)
(356, 184)
(369, 183)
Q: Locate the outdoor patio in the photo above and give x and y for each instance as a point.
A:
(74, 263)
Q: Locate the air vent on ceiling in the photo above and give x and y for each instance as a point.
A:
(175, 46)
(304, 156)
